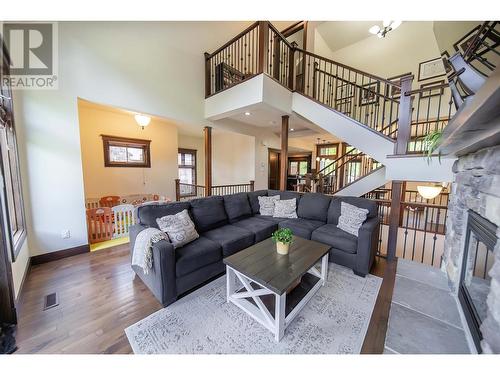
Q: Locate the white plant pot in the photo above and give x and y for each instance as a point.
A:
(282, 248)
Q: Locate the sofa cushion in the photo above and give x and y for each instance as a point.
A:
(285, 208)
(351, 218)
(334, 209)
(335, 237)
(266, 205)
(179, 228)
(276, 220)
(147, 214)
(314, 206)
(237, 206)
(285, 194)
(261, 228)
(208, 213)
(231, 238)
(195, 255)
(254, 201)
(301, 227)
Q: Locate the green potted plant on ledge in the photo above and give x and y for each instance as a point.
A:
(283, 238)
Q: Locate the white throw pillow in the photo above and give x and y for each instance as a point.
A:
(286, 208)
(179, 228)
(351, 218)
(266, 205)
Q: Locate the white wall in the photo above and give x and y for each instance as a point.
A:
(153, 67)
(399, 52)
(101, 181)
(233, 158)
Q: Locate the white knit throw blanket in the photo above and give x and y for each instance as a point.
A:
(143, 248)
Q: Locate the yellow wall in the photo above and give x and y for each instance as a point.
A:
(99, 180)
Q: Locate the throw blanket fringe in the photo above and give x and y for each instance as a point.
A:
(143, 248)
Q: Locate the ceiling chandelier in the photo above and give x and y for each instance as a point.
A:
(386, 27)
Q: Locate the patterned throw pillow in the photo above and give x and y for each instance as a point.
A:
(266, 205)
(286, 208)
(179, 228)
(351, 218)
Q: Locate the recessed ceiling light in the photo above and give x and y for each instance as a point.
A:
(247, 113)
(292, 129)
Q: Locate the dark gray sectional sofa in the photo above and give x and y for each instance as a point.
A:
(231, 223)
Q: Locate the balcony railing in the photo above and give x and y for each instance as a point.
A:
(371, 100)
(422, 225)
(343, 171)
(185, 191)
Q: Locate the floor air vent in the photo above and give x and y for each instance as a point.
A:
(51, 301)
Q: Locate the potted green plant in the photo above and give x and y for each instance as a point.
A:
(283, 238)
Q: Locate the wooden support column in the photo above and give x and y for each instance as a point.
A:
(394, 219)
(284, 152)
(207, 131)
(404, 117)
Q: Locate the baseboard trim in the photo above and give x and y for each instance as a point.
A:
(56, 255)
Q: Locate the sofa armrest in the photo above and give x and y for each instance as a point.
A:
(161, 279)
(368, 236)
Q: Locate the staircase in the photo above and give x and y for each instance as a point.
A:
(384, 120)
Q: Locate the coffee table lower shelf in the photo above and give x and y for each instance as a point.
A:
(275, 312)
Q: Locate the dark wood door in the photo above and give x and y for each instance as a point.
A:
(274, 169)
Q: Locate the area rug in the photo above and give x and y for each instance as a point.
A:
(334, 321)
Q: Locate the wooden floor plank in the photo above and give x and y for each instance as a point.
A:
(99, 297)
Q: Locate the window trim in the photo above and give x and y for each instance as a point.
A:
(194, 167)
(17, 238)
(111, 140)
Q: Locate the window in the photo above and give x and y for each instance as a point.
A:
(327, 154)
(10, 163)
(298, 167)
(187, 171)
(126, 152)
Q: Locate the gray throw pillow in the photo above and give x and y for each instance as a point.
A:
(266, 205)
(179, 228)
(351, 218)
(286, 208)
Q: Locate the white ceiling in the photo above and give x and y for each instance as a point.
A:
(340, 34)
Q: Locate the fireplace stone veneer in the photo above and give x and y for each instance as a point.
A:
(476, 187)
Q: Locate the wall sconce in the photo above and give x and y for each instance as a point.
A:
(142, 120)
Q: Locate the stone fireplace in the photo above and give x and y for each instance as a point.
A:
(472, 249)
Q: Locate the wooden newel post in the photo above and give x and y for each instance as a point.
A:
(252, 185)
(263, 46)
(207, 131)
(207, 75)
(404, 117)
(284, 153)
(177, 190)
(394, 219)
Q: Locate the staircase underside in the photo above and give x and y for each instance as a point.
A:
(262, 92)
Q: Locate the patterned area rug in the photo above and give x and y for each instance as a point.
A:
(334, 321)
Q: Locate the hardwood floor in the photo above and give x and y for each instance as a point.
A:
(99, 298)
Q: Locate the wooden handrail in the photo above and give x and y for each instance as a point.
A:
(336, 160)
(355, 84)
(227, 44)
(425, 89)
(282, 37)
(392, 83)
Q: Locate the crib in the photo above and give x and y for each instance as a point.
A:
(103, 224)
